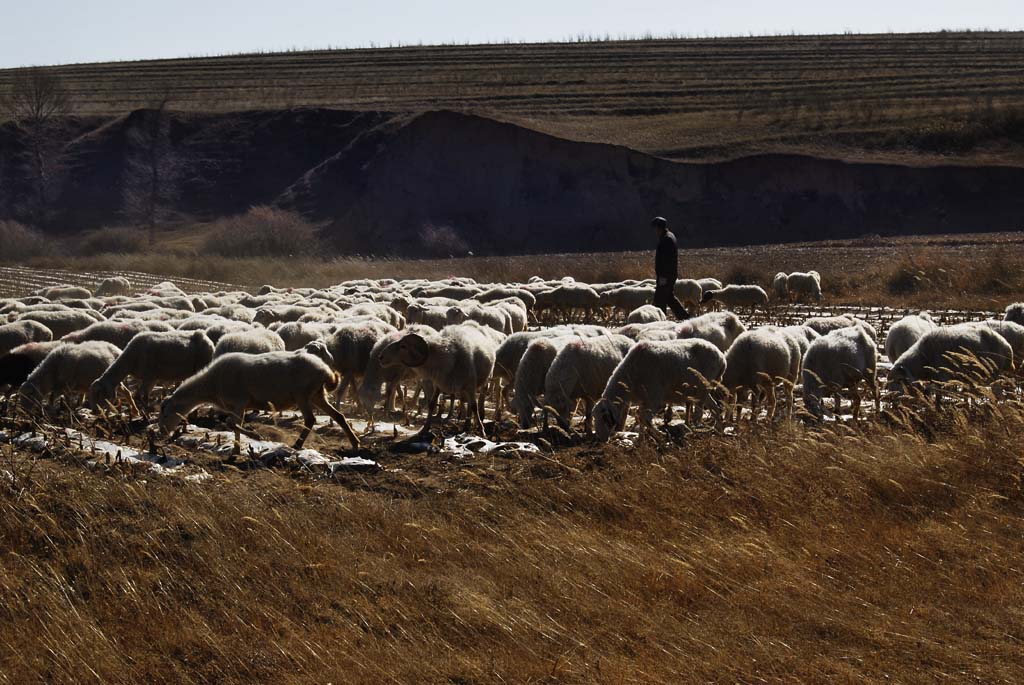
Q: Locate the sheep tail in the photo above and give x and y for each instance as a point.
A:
(332, 382)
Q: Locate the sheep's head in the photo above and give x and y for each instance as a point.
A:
(410, 350)
(708, 296)
(606, 419)
(318, 349)
(100, 394)
(900, 377)
(169, 419)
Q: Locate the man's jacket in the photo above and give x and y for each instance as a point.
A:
(666, 259)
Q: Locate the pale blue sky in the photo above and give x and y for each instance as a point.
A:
(61, 31)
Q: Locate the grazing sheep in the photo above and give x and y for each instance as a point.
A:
(518, 314)
(530, 374)
(803, 335)
(376, 375)
(733, 296)
(236, 382)
(709, 284)
(508, 355)
(297, 334)
(756, 363)
(14, 369)
(824, 325)
(115, 285)
(37, 351)
(235, 312)
(689, 292)
(904, 333)
(252, 341)
(493, 317)
(457, 361)
(61, 323)
(378, 310)
(64, 292)
(68, 368)
(573, 298)
(215, 327)
(939, 355)
(636, 331)
(718, 328)
(1015, 313)
(503, 292)
(648, 313)
(350, 345)
(167, 357)
(1012, 332)
(435, 316)
(20, 332)
(627, 298)
(652, 374)
(840, 361)
(118, 333)
(580, 371)
(780, 286)
(800, 284)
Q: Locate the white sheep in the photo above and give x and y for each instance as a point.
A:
(756, 362)
(20, 332)
(376, 375)
(236, 382)
(118, 333)
(780, 286)
(1015, 313)
(652, 374)
(648, 313)
(709, 284)
(826, 324)
(580, 371)
(800, 284)
(457, 361)
(839, 361)
(733, 296)
(904, 333)
(494, 317)
(350, 345)
(68, 368)
(949, 353)
(689, 292)
(62, 322)
(252, 341)
(165, 357)
(718, 328)
(297, 334)
(530, 374)
(1012, 332)
(64, 292)
(115, 285)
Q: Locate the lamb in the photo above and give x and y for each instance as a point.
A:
(733, 296)
(118, 333)
(252, 341)
(904, 333)
(581, 370)
(652, 374)
(236, 382)
(756, 362)
(68, 368)
(167, 357)
(530, 375)
(840, 360)
(800, 284)
(826, 324)
(61, 323)
(457, 361)
(20, 332)
(115, 285)
(689, 292)
(648, 313)
(718, 328)
(938, 356)
(1015, 313)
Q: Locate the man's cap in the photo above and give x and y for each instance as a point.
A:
(659, 222)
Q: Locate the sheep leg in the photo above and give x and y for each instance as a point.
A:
(322, 402)
(839, 401)
(873, 380)
(345, 383)
(430, 409)
(855, 409)
(308, 421)
(773, 401)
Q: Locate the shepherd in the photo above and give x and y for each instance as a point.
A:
(666, 270)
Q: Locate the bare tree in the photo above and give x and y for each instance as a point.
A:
(154, 170)
(37, 104)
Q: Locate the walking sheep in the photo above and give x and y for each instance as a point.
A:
(68, 368)
(237, 382)
(252, 341)
(949, 353)
(733, 296)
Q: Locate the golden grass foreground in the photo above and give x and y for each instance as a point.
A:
(887, 551)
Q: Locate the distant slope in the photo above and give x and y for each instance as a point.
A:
(917, 98)
(382, 182)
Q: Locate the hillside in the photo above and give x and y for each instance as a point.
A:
(913, 98)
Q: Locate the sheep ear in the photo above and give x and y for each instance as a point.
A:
(413, 350)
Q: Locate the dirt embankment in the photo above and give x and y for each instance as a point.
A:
(443, 182)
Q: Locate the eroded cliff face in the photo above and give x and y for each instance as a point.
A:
(383, 182)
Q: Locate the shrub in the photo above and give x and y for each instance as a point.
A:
(263, 232)
(112, 240)
(21, 242)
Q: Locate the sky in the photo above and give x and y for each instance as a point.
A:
(63, 31)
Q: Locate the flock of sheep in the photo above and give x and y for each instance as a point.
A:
(542, 348)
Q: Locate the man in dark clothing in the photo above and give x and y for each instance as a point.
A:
(666, 270)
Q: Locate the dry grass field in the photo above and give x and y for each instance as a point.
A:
(905, 97)
(884, 549)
